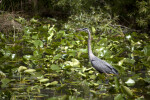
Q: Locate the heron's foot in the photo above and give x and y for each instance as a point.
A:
(107, 81)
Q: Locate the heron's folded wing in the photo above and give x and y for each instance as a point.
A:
(103, 66)
(113, 70)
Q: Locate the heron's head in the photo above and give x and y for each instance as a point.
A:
(83, 29)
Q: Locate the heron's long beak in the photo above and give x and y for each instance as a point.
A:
(79, 29)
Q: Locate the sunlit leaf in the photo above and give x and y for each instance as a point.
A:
(2, 75)
(130, 82)
(67, 64)
(20, 20)
(127, 60)
(55, 67)
(93, 91)
(61, 33)
(120, 62)
(21, 68)
(6, 53)
(95, 84)
(93, 30)
(126, 90)
(43, 80)
(64, 56)
(51, 75)
(35, 36)
(148, 72)
(13, 56)
(27, 31)
(128, 37)
(57, 56)
(36, 53)
(75, 63)
(38, 43)
(45, 27)
(147, 50)
(92, 76)
(84, 75)
(51, 33)
(52, 83)
(33, 20)
(39, 75)
(29, 70)
(91, 72)
(27, 57)
(148, 59)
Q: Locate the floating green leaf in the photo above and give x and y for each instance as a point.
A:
(91, 72)
(43, 80)
(130, 82)
(2, 75)
(93, 30)
(55, 67)
(147, 50)
(29, 70)
(127, 60)
(37, 43)
(126, 90)
(27, 57)
(84, 75)
(117, 83)
(120, 62)
(21, 68)
(57, 56)
(75, 63)
(52, 83)
(5, 82)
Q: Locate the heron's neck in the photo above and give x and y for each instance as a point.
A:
(89, 45)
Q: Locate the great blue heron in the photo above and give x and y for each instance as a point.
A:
(100, 65)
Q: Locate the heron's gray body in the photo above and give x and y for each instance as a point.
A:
(100, 65)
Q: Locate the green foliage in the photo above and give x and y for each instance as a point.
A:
(134, 13)
(143, 13)
(57, 8)
(45, 58)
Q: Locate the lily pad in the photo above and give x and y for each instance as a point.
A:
(130, 82)
(29, 70)
(127, 91)
(22, 68)
(43, 80)
(52, 83)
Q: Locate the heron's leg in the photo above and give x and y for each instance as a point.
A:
(104, 78)
(107, 80)
(108, 77)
